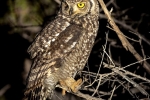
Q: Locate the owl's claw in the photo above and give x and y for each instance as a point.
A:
(63, 92)
(63, 86)
(75, 86)
(70, 85)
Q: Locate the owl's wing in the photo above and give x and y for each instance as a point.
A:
(55, 42)
(45, 38)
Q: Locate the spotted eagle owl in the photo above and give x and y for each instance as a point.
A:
(62, 48)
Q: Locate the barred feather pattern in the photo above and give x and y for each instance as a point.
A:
(59, 51)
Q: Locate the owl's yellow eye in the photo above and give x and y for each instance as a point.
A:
(81, 4)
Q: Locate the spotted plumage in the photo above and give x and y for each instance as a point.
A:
(62, 48)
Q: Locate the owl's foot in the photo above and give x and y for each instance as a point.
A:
(63, 86)
(75, 86)
(70, 85)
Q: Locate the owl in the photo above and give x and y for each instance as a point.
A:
(62, 49)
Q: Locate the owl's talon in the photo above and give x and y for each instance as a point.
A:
(70, 85)
(63, 86)
(75, 86)
(63, 92)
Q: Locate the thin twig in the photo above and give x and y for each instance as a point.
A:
(97, 86)
(87, 97)
(112, 93)
(4, 89)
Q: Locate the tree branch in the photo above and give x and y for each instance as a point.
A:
(124, 41)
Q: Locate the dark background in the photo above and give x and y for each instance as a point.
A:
(21, 20)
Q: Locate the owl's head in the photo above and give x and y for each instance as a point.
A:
(80, 8)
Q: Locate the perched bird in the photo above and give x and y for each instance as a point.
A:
(62, 48)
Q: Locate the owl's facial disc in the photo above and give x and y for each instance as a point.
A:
(79, 9)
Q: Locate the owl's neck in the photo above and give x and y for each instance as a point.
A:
(81, 21)
(84, 21)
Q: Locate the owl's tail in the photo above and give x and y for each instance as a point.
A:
(41, 81)
(41, 91)
(33, 94)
